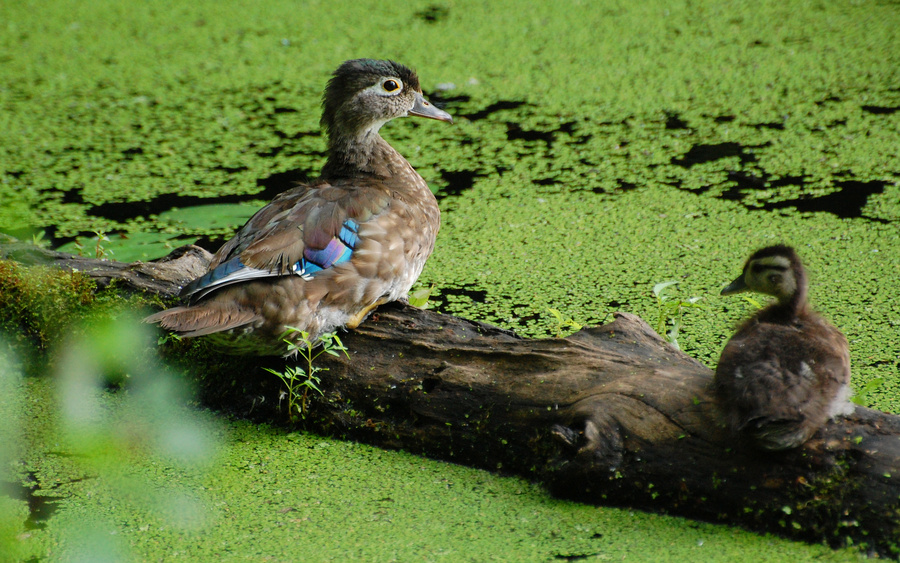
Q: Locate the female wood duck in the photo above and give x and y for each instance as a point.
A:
(787, 370)
(324, 255)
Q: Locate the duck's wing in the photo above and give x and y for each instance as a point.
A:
(768, 399)
(303, 232)
(779, 386)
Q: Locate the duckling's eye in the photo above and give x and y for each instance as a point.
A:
(390, 85)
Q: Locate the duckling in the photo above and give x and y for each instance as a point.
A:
(786, 371)
(325, 254)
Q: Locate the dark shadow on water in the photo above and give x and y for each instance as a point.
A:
(824, 101)
(493, 108)
(746, 181)
(129, 210)
(621, 187)
(433, 13)
(577, 556)
(881, 110)
(457, 181)
(700, 154)
(515, 132)
(280, 182)
(847, 203)
(441, 301)
(674, 121)
(40, 506)
(770, 125)
(442, 99)
(210, 243)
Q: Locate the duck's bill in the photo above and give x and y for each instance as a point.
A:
(424, 108)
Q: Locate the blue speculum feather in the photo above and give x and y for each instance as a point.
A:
(338, 250)
(216, 277)
(348, 234)
(223, 271)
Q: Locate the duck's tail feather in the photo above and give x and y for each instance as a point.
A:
(200, 320)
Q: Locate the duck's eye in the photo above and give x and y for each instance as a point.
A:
(390, 85)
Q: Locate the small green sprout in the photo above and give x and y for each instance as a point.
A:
(298, 380)
(671, 311)
(749, 299)
(861, 396)
(168, 337)
(100, 252)
(419, 298)
(38, 239)
(563, 323)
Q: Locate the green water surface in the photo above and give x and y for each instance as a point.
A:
(599, 148)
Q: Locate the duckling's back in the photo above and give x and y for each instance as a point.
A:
(780, 382)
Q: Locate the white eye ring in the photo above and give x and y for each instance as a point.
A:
(392, 86)
(387, 86)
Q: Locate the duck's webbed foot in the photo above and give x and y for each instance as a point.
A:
(359, 317)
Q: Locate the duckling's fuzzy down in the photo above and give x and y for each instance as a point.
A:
(786, 371)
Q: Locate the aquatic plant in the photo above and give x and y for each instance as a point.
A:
(562, 323)
(298, 380)
(100, 250)
(861, 396)
(671, 312)
(419, 297)
(38, 239)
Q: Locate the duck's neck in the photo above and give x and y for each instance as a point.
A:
(366, 154)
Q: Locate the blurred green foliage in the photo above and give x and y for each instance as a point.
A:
(112, 409)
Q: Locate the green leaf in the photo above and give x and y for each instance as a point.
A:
(860, 397)
(658, 288)
(419, 298)
(749, 299)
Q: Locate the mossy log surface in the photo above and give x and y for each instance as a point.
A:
(611, 415)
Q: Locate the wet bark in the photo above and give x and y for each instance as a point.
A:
(609, 415)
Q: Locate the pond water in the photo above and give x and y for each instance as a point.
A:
(598, 149)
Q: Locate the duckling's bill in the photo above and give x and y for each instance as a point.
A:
(736, 286)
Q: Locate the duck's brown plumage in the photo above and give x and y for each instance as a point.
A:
(786, 370)
(322, 255)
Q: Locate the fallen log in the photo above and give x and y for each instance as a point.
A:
(610, 415)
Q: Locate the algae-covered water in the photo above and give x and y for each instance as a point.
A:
(599, 148)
